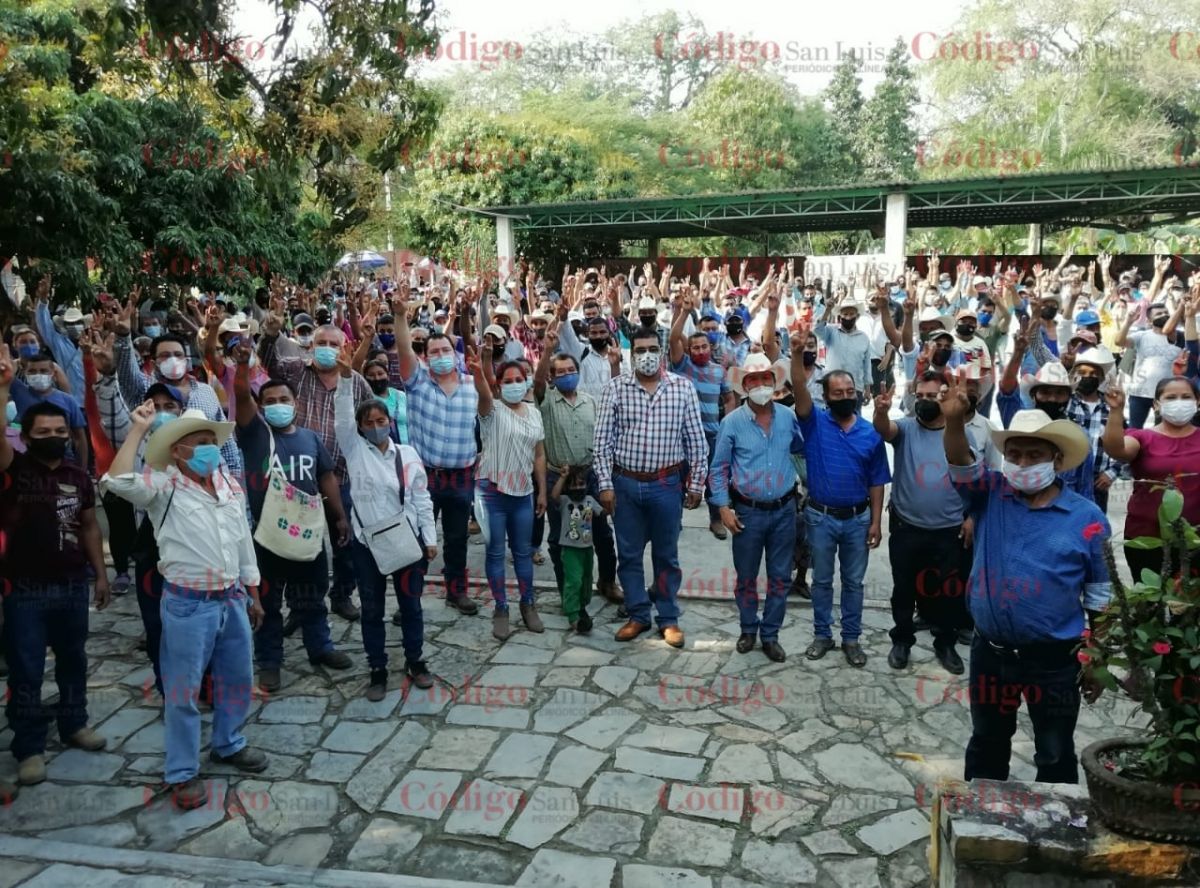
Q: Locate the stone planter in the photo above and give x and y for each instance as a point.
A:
(1138, 808)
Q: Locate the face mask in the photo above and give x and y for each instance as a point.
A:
(1088, 385)
(714, 337)
(48, 448)
(172, 368)
(418, 346)
(761, 394)
(1159, 322)
(648, 320)
(647, 363)
(442, 364)
(927, 411)
(1053, 409)
(378, 386)
(966, 331)
(1049, 312)
(10, 412)
(848, 323)
(387, 340)
(733, 328)
(941, 356)
(513, 392)
(75, 330)
(895, 291)
(152, 330)
(205, 459)
(40, 382)
(1029, 479)
(279, 415)
(30, 350)
(843, 407)
(304, 340)
(567, 383)
(159, 418)
(325, 357)
(377, 434)
(985, 318)
(599, 345)
(973, 400)
(701, 360)
(1178, 412)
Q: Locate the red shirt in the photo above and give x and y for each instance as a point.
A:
(1161, 456)
(40, 511)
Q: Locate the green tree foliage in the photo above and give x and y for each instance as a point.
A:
(887, 138)
(845, 101)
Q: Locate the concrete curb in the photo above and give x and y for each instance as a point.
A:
(215, 869)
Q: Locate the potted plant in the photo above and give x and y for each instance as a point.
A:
(1150, 786)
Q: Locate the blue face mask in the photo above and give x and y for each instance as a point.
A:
(205, 459)
(442, 364)
(895, 291)
(714, 337)
(161, 417)
(376, 434)
(152, 330)
(568, 382)
(985, 318)
(387, 340)
(10, 411)
(513, 392)
(279, 415)
(31, 350)
(325, 356)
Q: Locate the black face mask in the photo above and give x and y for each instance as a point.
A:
(1049, 312)
(1088, 385)
(843, 407)
(810, 359)
(733, 328)
(418, 346)
(973, 400)
(927, 411)
(1159, 322)
(1053, 409)
(848, 323)
(48, 448)
(378, 386)
(965, 331)
(648, 320)
(941, 356)
(599, 344)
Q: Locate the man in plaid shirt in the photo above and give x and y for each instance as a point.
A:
(1089, 410)
(647, 429)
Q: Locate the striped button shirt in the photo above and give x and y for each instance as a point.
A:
(570, 427)
(509, 438)
(440, 426)
(1092, 418)
(711, 386)
(644, 433)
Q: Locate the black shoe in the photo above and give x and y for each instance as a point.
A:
(898, 656)
(461, 603)
(268, 680)
(419, 673)
(819, 648)
(800, 588)
(745, 643)
(377, 689)
(397, 619)
(584, 624)
(291, 624)
(965, 636)
(854, 654)
(774, 651)
(345, 609)
(332, 660)
(949, 659)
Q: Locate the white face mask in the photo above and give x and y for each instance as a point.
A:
(1029, 479)
(40, 382)
(647, 363)
(172, 368)
(761, 394)
(304, 340)
(1178, 412)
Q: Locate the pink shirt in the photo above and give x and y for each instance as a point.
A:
(1159, 457)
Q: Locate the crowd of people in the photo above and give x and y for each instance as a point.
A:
(259, 462)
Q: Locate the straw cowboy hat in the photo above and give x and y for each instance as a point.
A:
(930, 315)
(1062, 433)
(755, 363)
(160, 442)
(1052, 373)
(1098, 356)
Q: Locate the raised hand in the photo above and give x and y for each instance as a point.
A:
(550, 342)
(143, 415)
(345, 360)
(7, 369)
(1115, 397)
(883, 401)
(213, 317)
(955, 402)
(102, 352)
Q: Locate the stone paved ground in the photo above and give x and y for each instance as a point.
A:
(552, 759)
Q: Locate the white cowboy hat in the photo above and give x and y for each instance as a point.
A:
(160, 442)
(233, 325)
(1051, 373)
(646, 303)
(929, 314)
(756, 363)
(539, 315)
(1097, 356)
(1062, 433)
(505, 309)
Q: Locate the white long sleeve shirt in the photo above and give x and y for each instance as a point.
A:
(204, 542)
(374, 485)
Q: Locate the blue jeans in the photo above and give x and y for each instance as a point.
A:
(846, 538)
(195, 630)
(38, 613)
(343, 562)
(452, 491)
(372, 592)
(649, 511)
(772, 533)
(511, 517)
(304, 584)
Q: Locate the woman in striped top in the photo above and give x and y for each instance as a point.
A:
(512, 457)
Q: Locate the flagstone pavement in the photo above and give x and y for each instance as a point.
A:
(552, 759)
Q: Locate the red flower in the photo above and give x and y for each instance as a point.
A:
(1092, 529)
(1087, 633)
(1161, 647)
(1084, 657)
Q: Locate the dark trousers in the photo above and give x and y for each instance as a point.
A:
(372, 592)
(453, 491)
(1101, 498)
(1047, 678)
(1139, 409)
(801, 553)
(602, 537)
(303, 583)
(122, 530)
(343, 560)
(929, 569)
(38, 613)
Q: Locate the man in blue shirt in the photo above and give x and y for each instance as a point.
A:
(847, 470)
(1038, 574)
(38, 386)
(753, 484)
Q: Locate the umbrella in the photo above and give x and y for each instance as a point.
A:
(362, 259)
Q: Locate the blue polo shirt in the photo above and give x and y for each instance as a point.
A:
(1035, 570)
(842, 465)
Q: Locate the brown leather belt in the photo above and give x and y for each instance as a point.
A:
(649, 476)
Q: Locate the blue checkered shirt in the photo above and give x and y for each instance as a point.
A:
(1092, 418)
(441, 427)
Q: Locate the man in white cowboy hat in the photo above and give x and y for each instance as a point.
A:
(646, 309)
(1088, 409)
(1038, 577)
(227, 334)
(846, 347)
(935, 353)
(531, 333)
(210, 598)
(505, 317)
(753, 484)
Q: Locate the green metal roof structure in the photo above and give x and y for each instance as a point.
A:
(1054, 200)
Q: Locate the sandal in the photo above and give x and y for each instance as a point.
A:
(538, 557)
